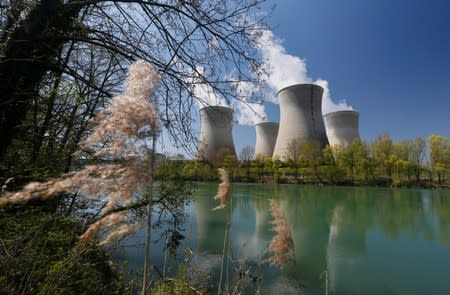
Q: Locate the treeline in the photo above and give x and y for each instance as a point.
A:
(416, 162)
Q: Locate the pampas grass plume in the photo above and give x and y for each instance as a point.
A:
(126, 125)
(107, 221)
(282, 244)
(223, 189)
(121, 231)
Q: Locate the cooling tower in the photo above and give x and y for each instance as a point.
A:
(216, 138)
(300, 117)
(342, 127)
(266, 137)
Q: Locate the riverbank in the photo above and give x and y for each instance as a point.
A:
(423, 184)
(382, 182)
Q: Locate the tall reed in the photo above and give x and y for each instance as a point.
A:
(222, 195)
(223, 190)
(282, 245)
(124, 135)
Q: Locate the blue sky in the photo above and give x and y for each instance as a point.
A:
(389, 59)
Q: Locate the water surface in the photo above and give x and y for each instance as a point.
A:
(359, 240)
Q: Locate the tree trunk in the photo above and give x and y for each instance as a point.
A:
(39, 137)
(30, 49)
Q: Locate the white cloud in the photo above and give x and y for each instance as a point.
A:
(247, 113)
(203, 91)
(328, 105)
(284, 70)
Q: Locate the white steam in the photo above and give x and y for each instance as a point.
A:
(247, 112)
(284, 70)
(203, 91)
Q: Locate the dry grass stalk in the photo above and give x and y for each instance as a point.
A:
(107, 221)
(223, 190)
(282, 244)
(131, 120)
(96, 181)
(127, 126)
(121, 231)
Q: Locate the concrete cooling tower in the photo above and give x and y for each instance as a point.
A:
(216, 137)
(266, 137)
(342, 127)
(300, 117)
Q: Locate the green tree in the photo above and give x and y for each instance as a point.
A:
(258, 164)
(332, 159)
(276, 167)
(403, 167)
(438, 145)
(349, 161)
(383, 148)
(246, 156)
(293, 157)
(311, 154)
(417, 155)
(197, 170)
(268, 166)
(231, 164)
(221, 155)
(364, 165)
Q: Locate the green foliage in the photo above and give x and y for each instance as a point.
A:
(439, 155)
(176, 286)
(40, 255)
(332, 158)
(231, 164)
(311, 154)
(383, 150)
(197, 170)
(22, 174)
(381, 162)
(277, 164)
(258, 164)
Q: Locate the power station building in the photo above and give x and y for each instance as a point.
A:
(266, 137)
(342, 127)
(216, 136)
(300, 117)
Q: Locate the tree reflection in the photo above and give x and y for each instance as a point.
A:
(333, 228)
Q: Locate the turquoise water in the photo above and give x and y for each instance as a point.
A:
(351, 240)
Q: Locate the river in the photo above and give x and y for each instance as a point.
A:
(348, 240)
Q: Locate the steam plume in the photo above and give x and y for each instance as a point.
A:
(284, 70)
(247, 112)
(203, 91)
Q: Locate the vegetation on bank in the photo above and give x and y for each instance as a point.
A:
(110, 196)
(40, 254)
(382, 162)
(62, 63)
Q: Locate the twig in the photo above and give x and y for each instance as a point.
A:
(4, 247)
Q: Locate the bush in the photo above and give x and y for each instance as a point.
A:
(40, 255)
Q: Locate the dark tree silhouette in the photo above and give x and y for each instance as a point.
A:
(191, 43)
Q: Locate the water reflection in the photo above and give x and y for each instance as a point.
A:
(369, 240)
